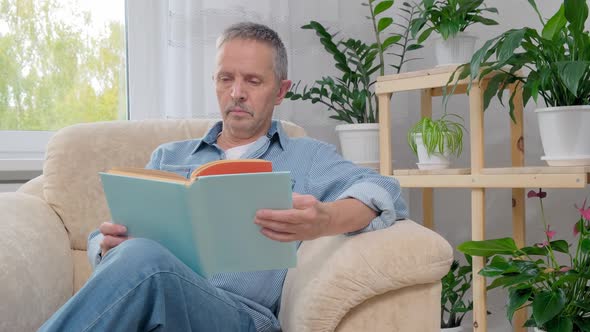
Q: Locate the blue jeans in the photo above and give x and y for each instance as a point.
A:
(141, 286)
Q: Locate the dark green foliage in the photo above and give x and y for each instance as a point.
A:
(351, 94)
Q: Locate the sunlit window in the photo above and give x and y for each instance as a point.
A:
(61, 62)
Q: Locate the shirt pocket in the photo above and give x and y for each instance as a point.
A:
(182, 170)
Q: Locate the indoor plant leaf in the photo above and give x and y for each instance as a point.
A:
(571, 72)
(486, 248)
(555, 24)
(547, 304)
(516, 298)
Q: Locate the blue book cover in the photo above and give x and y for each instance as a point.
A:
(208, 223)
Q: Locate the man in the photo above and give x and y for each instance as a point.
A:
(138, 285)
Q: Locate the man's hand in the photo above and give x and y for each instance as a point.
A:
(307, 220)
(310, 219)
(113, 236)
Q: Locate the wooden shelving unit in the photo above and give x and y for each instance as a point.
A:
(477, 178)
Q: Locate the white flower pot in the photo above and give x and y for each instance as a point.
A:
(360, 143)
(455, 50)
(429, 162)
(452, 329)
(539, 330)
(565, 135)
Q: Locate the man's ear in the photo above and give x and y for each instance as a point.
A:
(283, 89)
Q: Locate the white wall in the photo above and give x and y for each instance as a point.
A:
(453, 206)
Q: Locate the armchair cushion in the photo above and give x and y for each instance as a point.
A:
(336, 274)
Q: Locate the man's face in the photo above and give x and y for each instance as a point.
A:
(247, 88)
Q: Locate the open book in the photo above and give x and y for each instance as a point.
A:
(207, 221)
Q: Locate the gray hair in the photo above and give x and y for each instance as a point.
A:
(261, 33)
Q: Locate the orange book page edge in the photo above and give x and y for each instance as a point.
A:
(232, 166)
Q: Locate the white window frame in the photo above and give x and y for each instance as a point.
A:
(23, 152)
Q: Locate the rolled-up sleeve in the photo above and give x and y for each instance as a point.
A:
(94, 250)
(332, 178)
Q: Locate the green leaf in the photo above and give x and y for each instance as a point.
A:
(383, 23)
(576, 12)
(554, 25)
(585, 246)
(534, 5)
(414, 47)
(547, 304)
(479, 57)
(560, 245)
(486, 248)
(582, 323)
(492, 88)
(516, 298)
(382, 6)
(560, 324)
(509, 280)
(510, 44)
(390, 41)
(571, 72)
(534, 251)
(498, 266)
(424, 35)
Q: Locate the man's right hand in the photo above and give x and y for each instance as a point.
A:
(113, 236)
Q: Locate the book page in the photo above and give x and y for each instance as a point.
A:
(148, 174)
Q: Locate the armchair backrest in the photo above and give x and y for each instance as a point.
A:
(76, 154)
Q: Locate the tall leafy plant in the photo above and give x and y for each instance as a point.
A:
(350, 94)
(455, 285)
(449, 17)
(557, 60)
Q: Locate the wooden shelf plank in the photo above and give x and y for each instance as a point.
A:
(537, 170)
(573, 180)
(497, 170)
(447, 171)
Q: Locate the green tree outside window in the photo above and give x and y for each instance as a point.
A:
(56, 68)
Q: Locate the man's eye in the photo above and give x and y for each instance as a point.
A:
(254, 82)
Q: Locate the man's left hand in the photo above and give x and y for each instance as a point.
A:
(307, 220)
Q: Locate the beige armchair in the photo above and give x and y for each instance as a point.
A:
(386, 280)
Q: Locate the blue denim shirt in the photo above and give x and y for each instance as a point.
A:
(316, 169)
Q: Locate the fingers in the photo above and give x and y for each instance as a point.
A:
(277, 226)
(109, 242)
(114, 235)
(108, 228)
(278, 236)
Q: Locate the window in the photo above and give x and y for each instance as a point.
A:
(61, 62)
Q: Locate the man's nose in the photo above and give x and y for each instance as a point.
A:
(237, 91)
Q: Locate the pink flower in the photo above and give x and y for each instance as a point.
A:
(565, 269)
(542, 245)
(540, 193)
(583, 211)
(550, 233)
(576, 229)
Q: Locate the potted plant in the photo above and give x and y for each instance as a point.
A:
(558, 293)
(350, 94)
(433, 141)
(455, 285)
(553, 63)
(449, 19)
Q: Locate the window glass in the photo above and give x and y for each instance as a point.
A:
(61, 62)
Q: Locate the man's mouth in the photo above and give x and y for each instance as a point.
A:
(238, 111)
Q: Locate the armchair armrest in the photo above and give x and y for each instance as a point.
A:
(36, 272)
(336, 274)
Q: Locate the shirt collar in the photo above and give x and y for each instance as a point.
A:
(276, 129)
